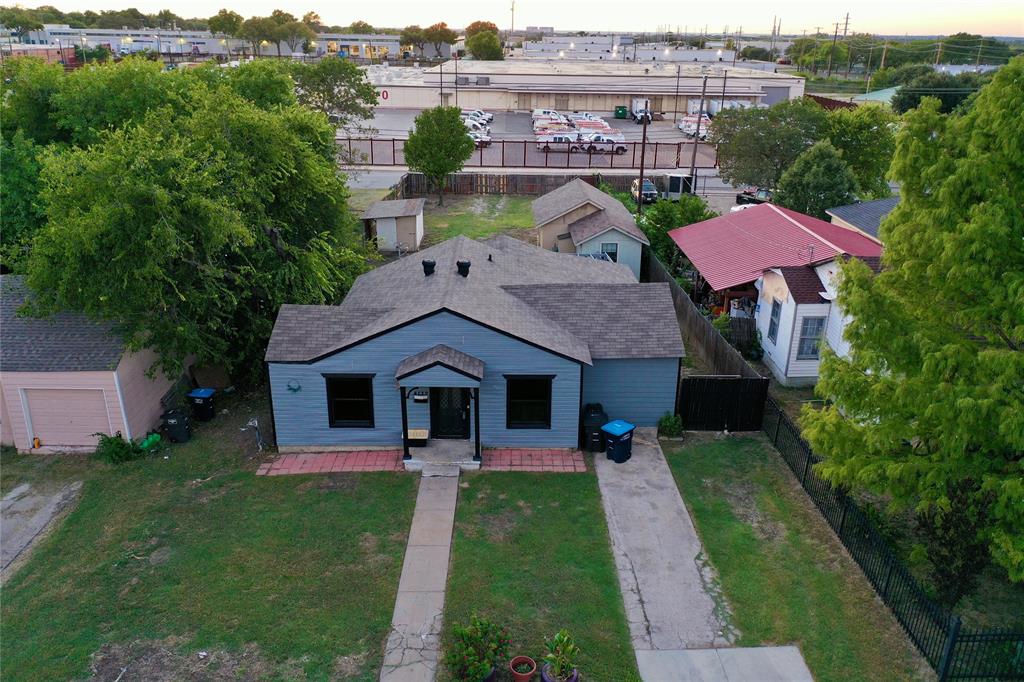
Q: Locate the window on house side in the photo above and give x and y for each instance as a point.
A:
(350, 400)
(773, 323)
(611, 250)
(810, 338)
(528, 402)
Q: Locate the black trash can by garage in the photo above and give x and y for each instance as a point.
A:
(202, 403)
(619, 435)
(594, 417)
(176, 425)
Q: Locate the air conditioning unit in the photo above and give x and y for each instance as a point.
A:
(483, 80)
(462, 80)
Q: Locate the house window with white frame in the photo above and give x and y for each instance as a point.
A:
(611, 249)
(811, 330)
(773, 323)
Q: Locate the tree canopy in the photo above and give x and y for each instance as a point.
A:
(439, 34)
(929, 407)
(337, 87)
(480, 27)
(226, 23)
(951, 90)
(184, 207)
(818, 180)
(866, 137)
(361, 27)
(415, 36)
(438, 146)
(663, 216)
(485, 46)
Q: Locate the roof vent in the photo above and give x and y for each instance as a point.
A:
(463, 266)
(428, 267)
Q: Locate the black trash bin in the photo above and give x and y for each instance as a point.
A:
(176, 425)
(202, 403)
(594, 417)
(619, 435)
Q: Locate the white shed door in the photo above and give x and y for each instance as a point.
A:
(66, 417)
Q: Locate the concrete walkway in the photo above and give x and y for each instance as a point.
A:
(25, 512)
(674, 622)
(413, 647)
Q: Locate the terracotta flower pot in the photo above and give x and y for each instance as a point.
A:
(547, 676)
(522, 677)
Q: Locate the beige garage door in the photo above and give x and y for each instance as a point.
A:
(62, 417)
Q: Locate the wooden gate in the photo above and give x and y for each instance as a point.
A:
(719, 403)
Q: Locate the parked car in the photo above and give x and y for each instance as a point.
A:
(603, 143)
(478, 114)
(640, 110)
(558, 142)
(754, 195)
(648, 195)
(544, 113)
(476, 126)
(480, 139)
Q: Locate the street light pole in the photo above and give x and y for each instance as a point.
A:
(696, 138)
(675, 117)
(643, 157)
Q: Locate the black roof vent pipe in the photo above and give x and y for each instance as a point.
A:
(428, 267)
(463, 266)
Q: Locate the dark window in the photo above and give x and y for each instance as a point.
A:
(810, 338)
(773, 324)
(350, 400)
(611, 249)
(528, 404)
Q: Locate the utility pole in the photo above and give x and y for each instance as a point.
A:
(832, 51)
(675, 116)
(867, 69)
(725, 76)
(643, 158)
(885, 50)
(771, 39)
(696, 138)
(938, 52)
(736, 47)
(814, 52)
(977, 61)
(456, 79)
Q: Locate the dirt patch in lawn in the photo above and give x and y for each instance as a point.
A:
(163, 661)
(742, 498)
(337, 481)
(348, 667)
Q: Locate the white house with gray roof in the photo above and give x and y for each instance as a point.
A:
(579, 218)
(498, 342)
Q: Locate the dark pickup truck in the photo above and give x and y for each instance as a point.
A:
(754, 195)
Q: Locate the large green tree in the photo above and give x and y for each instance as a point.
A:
(413, 36)
(28, 87)
(756, 146)
(929, 407)
(438, 146)
(950, 90)
(485, 46)
(336, 87)
(818, 180)
(190, 231)
(22, 214)
(226, 23)
(439, 35)
(866, 136)
(480, 27)
(664, 216)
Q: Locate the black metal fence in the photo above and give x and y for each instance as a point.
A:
(953, 651)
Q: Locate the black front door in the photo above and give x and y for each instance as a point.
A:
(449, 413)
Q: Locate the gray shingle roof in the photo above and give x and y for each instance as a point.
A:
(866, 215)
(394, 209)
(399, 293)
(616, 320)
(597, 222)
(576, 193)
(441, 355)
(65, 342)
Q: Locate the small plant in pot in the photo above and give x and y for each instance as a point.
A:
(523, 668)
(560, 660)
(476, 650)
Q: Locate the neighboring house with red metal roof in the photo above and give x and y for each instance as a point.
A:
(786, 262)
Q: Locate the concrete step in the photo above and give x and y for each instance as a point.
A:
(449, 470)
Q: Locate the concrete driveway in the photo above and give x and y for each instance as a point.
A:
(25, 512)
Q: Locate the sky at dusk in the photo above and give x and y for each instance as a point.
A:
(916, 17)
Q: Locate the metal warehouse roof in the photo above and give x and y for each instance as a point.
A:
(735, 248)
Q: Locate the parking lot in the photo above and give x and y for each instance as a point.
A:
(513, 145)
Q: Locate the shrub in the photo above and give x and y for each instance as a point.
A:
(116, 449)
(562, 654)
(670, 425)
(476, 649)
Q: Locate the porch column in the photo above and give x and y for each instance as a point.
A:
(476, 422)
(405, 425)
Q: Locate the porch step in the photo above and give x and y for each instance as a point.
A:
(446, 470)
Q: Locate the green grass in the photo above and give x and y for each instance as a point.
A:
(531, 552)
(196, 551)
(782, 571)
(475, 216)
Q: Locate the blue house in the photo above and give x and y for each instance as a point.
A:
(498, 342)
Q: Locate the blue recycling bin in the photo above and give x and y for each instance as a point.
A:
(619, 435)
(202, 403)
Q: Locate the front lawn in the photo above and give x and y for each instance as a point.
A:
(476, 216)
(273, 578)
(783, 572)
(531, 552)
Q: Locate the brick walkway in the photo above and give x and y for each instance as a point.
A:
(331, 462)
(533, 459)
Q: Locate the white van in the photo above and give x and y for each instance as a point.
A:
(545, 113)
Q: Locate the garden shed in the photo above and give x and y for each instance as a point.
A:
(396, 224)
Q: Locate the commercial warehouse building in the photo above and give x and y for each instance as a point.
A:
(579, 86)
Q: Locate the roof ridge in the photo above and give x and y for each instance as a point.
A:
(807, 230)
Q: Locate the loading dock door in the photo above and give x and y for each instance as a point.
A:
(63, 417)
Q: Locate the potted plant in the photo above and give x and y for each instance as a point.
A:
(476, 650)
(560, 660)
(523, 668)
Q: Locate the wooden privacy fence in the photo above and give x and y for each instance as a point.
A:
(732, 398)
(416, 184)
(954, 651)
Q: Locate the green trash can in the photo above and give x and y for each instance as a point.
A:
(622, 112)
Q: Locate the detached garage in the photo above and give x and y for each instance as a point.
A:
(65, 378)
